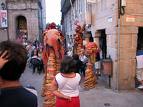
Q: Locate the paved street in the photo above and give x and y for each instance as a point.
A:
(97, 97)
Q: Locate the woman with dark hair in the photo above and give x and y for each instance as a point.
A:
(65, 86)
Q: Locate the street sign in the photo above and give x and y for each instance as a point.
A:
(130, 19)
(91, 1)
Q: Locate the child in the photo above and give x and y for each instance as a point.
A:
(65, 86)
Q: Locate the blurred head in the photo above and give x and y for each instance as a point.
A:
(13, 69)
(68, 65)
(75, 56)
(34, 52)
(53, 25)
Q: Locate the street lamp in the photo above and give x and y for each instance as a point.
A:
(122, 7)
(3, 6)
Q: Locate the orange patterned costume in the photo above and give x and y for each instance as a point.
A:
(90, 78)
(91, 50)
(78, 41)
(52, 55)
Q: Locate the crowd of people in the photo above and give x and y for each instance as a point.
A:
(64, 86)
(35, 57)
(14, 56)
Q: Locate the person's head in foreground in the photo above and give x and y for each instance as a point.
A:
(13, 59)
(17, 59)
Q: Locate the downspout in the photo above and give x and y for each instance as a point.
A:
(118, 47)
(85, 11)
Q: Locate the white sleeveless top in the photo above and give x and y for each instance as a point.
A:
(68, 86)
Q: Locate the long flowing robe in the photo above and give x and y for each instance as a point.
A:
(52, 55)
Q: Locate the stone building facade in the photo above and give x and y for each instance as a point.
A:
(24, 16)
(116, 26)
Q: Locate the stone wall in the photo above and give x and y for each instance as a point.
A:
(32, 22)
(26, 8)
(121, 38)
(30, 11)
(129, 23)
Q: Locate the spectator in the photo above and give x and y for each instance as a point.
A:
(84, 60)
(79, 63)
(12, 93)
(36, 62)
(66, 84)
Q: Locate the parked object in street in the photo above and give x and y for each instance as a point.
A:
(12, 93)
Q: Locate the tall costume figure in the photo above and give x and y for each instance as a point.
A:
(52, 55)
(78, 41)
(90, 78)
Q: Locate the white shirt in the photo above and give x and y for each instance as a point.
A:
(83, 58)
(68, 86)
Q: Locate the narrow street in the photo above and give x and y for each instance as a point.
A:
(100, 96)
(104, 34)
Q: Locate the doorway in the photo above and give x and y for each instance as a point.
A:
(103, 44)
(139, 56)
(140, 39)
(21, 26)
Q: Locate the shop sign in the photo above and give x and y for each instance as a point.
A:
(3, 19)
(130, 19)
(91, 1)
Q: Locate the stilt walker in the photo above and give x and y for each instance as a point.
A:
(90, 78)
(78, 41)
(52, 55)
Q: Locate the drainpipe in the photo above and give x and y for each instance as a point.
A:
(118, 47)
(8, 38)
(85, 10)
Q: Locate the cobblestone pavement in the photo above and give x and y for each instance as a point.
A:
(100, 96)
